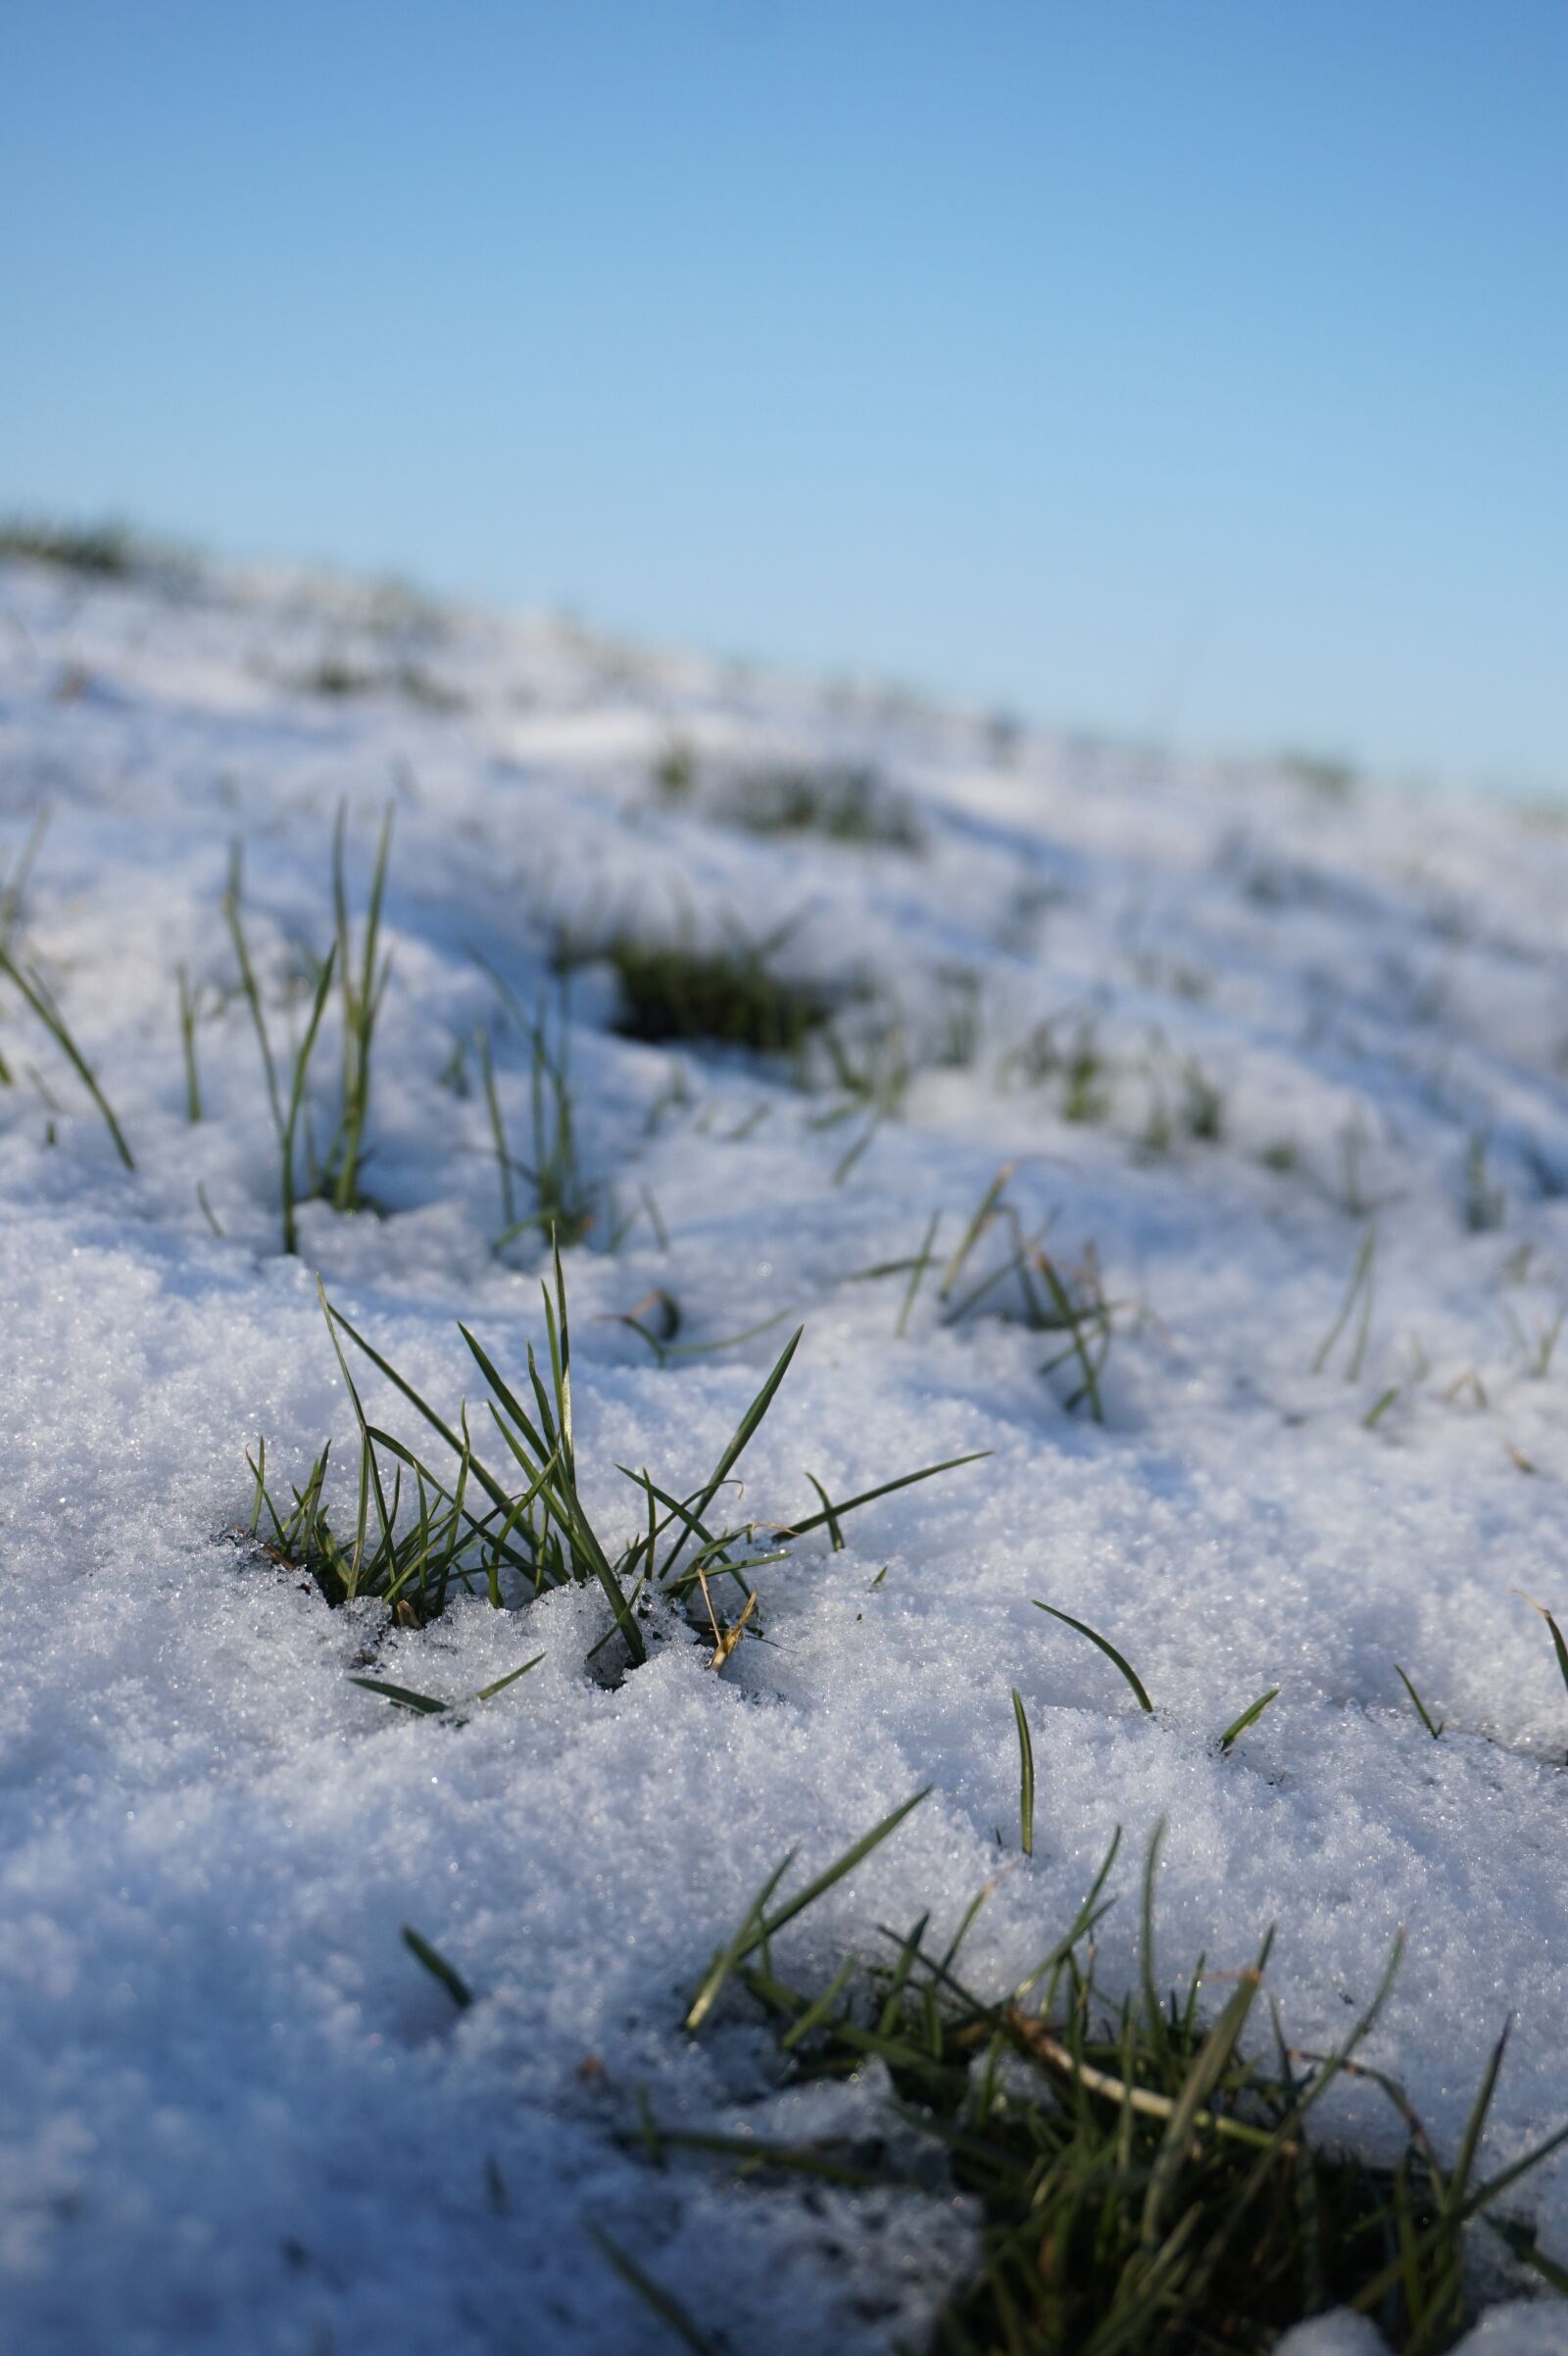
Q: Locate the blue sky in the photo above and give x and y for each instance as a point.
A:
(1194, 367)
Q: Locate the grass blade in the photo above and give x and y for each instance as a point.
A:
(1026, 1778)
(489, 1693)
(660, 2301)
(425, 1704)
(815, 1521)
(1248, 1717)
(437, 1966)
(737, 1443)
(760, 1926)
(1420, 1705)
(1106, 1648)
(33, 990)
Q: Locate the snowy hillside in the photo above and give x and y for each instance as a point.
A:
(1195, 1142)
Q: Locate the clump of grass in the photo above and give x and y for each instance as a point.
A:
(1056, 1299)
(108, 551)
(1049, 1296)
(335, 677)
(337, 1174)
(524, 1528)
(566, 1201)
(1076, 1062)
(726, 992)
(868, 1079)
(1329, 776)
(1537, 1349)
(674, 772)
(844, 801)
(1144, 2180)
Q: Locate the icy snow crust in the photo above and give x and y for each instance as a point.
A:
(235, 2114)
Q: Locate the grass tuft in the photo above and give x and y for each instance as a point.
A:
(724, 992)
(843, 802)
(513, 1529)
(335, 1176)
(108, 551)
(1145, 2182)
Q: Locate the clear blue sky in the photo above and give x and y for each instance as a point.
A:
(1188, 365)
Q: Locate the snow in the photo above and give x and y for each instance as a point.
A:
(236, 2115)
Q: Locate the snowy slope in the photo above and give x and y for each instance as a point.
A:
(235, 2114)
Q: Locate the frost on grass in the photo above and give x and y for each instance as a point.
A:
(1191, 1139)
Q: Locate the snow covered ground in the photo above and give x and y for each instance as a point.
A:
(1221, 1024)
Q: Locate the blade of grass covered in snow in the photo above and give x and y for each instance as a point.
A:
(36, 993)
(1106, 1648)
(1421, 1710)
(436, 1964)
(1026, 1778)
(1248, 1717)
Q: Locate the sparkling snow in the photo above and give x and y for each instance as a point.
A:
(235, 2114)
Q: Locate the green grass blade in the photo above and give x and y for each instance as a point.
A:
(296, 1099)
(489, 1693)
(867, 1497)
(1201, 2079)
(655, 2297)
(38, 998)
(1248, 1717)
(1106, 1648)
(1420, 1706)
(424, 1705)
(760, 1926)
(437, 1966)
(1026, 1778)
(738, 1442)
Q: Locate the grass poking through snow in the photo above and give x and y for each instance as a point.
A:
(513, 1526)
(1147, 2182)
